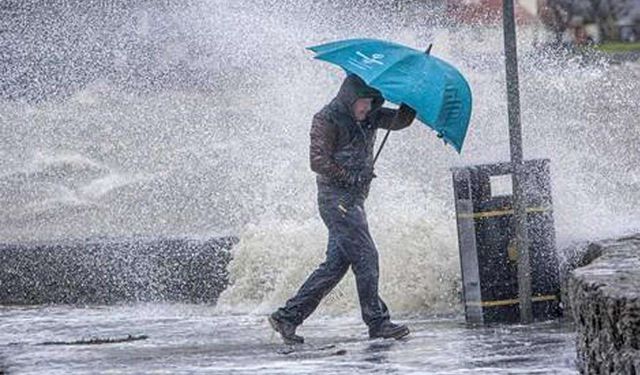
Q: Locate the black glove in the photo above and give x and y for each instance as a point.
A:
(361, 178)
(406, 113)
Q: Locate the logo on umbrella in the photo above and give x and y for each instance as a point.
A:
(365, 62)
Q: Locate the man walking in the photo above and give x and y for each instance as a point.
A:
(341, 153)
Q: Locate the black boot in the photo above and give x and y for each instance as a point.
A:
(388, 330)
(285, 329)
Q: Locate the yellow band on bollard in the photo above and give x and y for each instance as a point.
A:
(481, 215)
(507, 302)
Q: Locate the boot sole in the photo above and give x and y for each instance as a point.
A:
(403, 333)
(397, 335)
(287, 340)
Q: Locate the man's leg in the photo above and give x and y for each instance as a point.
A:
(317, 286)
(363, 255)
(364, 258)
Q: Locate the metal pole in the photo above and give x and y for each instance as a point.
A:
(515, 142)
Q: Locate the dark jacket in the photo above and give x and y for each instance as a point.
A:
(340, 146)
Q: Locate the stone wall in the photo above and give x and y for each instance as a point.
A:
(106, 271)
(605, 304)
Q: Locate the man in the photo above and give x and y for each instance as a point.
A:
(342, 141)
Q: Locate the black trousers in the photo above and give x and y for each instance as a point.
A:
(349, 245)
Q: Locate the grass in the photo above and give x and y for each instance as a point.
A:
(618, 47)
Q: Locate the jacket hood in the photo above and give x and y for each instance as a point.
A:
(354, 88)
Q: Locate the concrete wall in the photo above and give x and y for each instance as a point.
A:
(605, 304)
(105, 271)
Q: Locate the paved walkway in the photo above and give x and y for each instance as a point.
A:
(185, 339)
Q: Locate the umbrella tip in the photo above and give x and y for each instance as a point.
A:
(428, 51)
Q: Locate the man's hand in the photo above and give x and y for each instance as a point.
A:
(406, 114)
(396, 119)
(362, 178)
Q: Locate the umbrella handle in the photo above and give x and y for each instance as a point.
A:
(381, 146)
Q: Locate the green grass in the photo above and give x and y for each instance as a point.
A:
(618, 47)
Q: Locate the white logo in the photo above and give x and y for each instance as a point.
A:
(365, 62)
(374, 59)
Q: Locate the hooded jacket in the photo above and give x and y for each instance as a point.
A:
(341, 146)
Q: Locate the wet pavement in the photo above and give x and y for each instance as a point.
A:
(186, 339)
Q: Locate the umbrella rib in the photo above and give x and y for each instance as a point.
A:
(371, 81)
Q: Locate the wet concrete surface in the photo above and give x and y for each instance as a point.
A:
(605, 301)
(196, 339)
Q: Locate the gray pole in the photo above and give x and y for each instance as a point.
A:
(515, 141)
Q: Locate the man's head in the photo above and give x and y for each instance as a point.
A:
(359, 98)
(361, 108)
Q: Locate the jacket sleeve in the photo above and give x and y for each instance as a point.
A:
(323, 143)
(394, 119)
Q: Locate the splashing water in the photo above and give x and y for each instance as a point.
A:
(193, 119)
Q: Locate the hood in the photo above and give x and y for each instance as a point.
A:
(354, 88)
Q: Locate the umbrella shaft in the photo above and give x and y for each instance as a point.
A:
(381, 146)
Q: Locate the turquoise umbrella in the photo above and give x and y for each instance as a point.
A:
(433, 88)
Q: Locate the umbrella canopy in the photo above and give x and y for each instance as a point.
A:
(434, 89)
